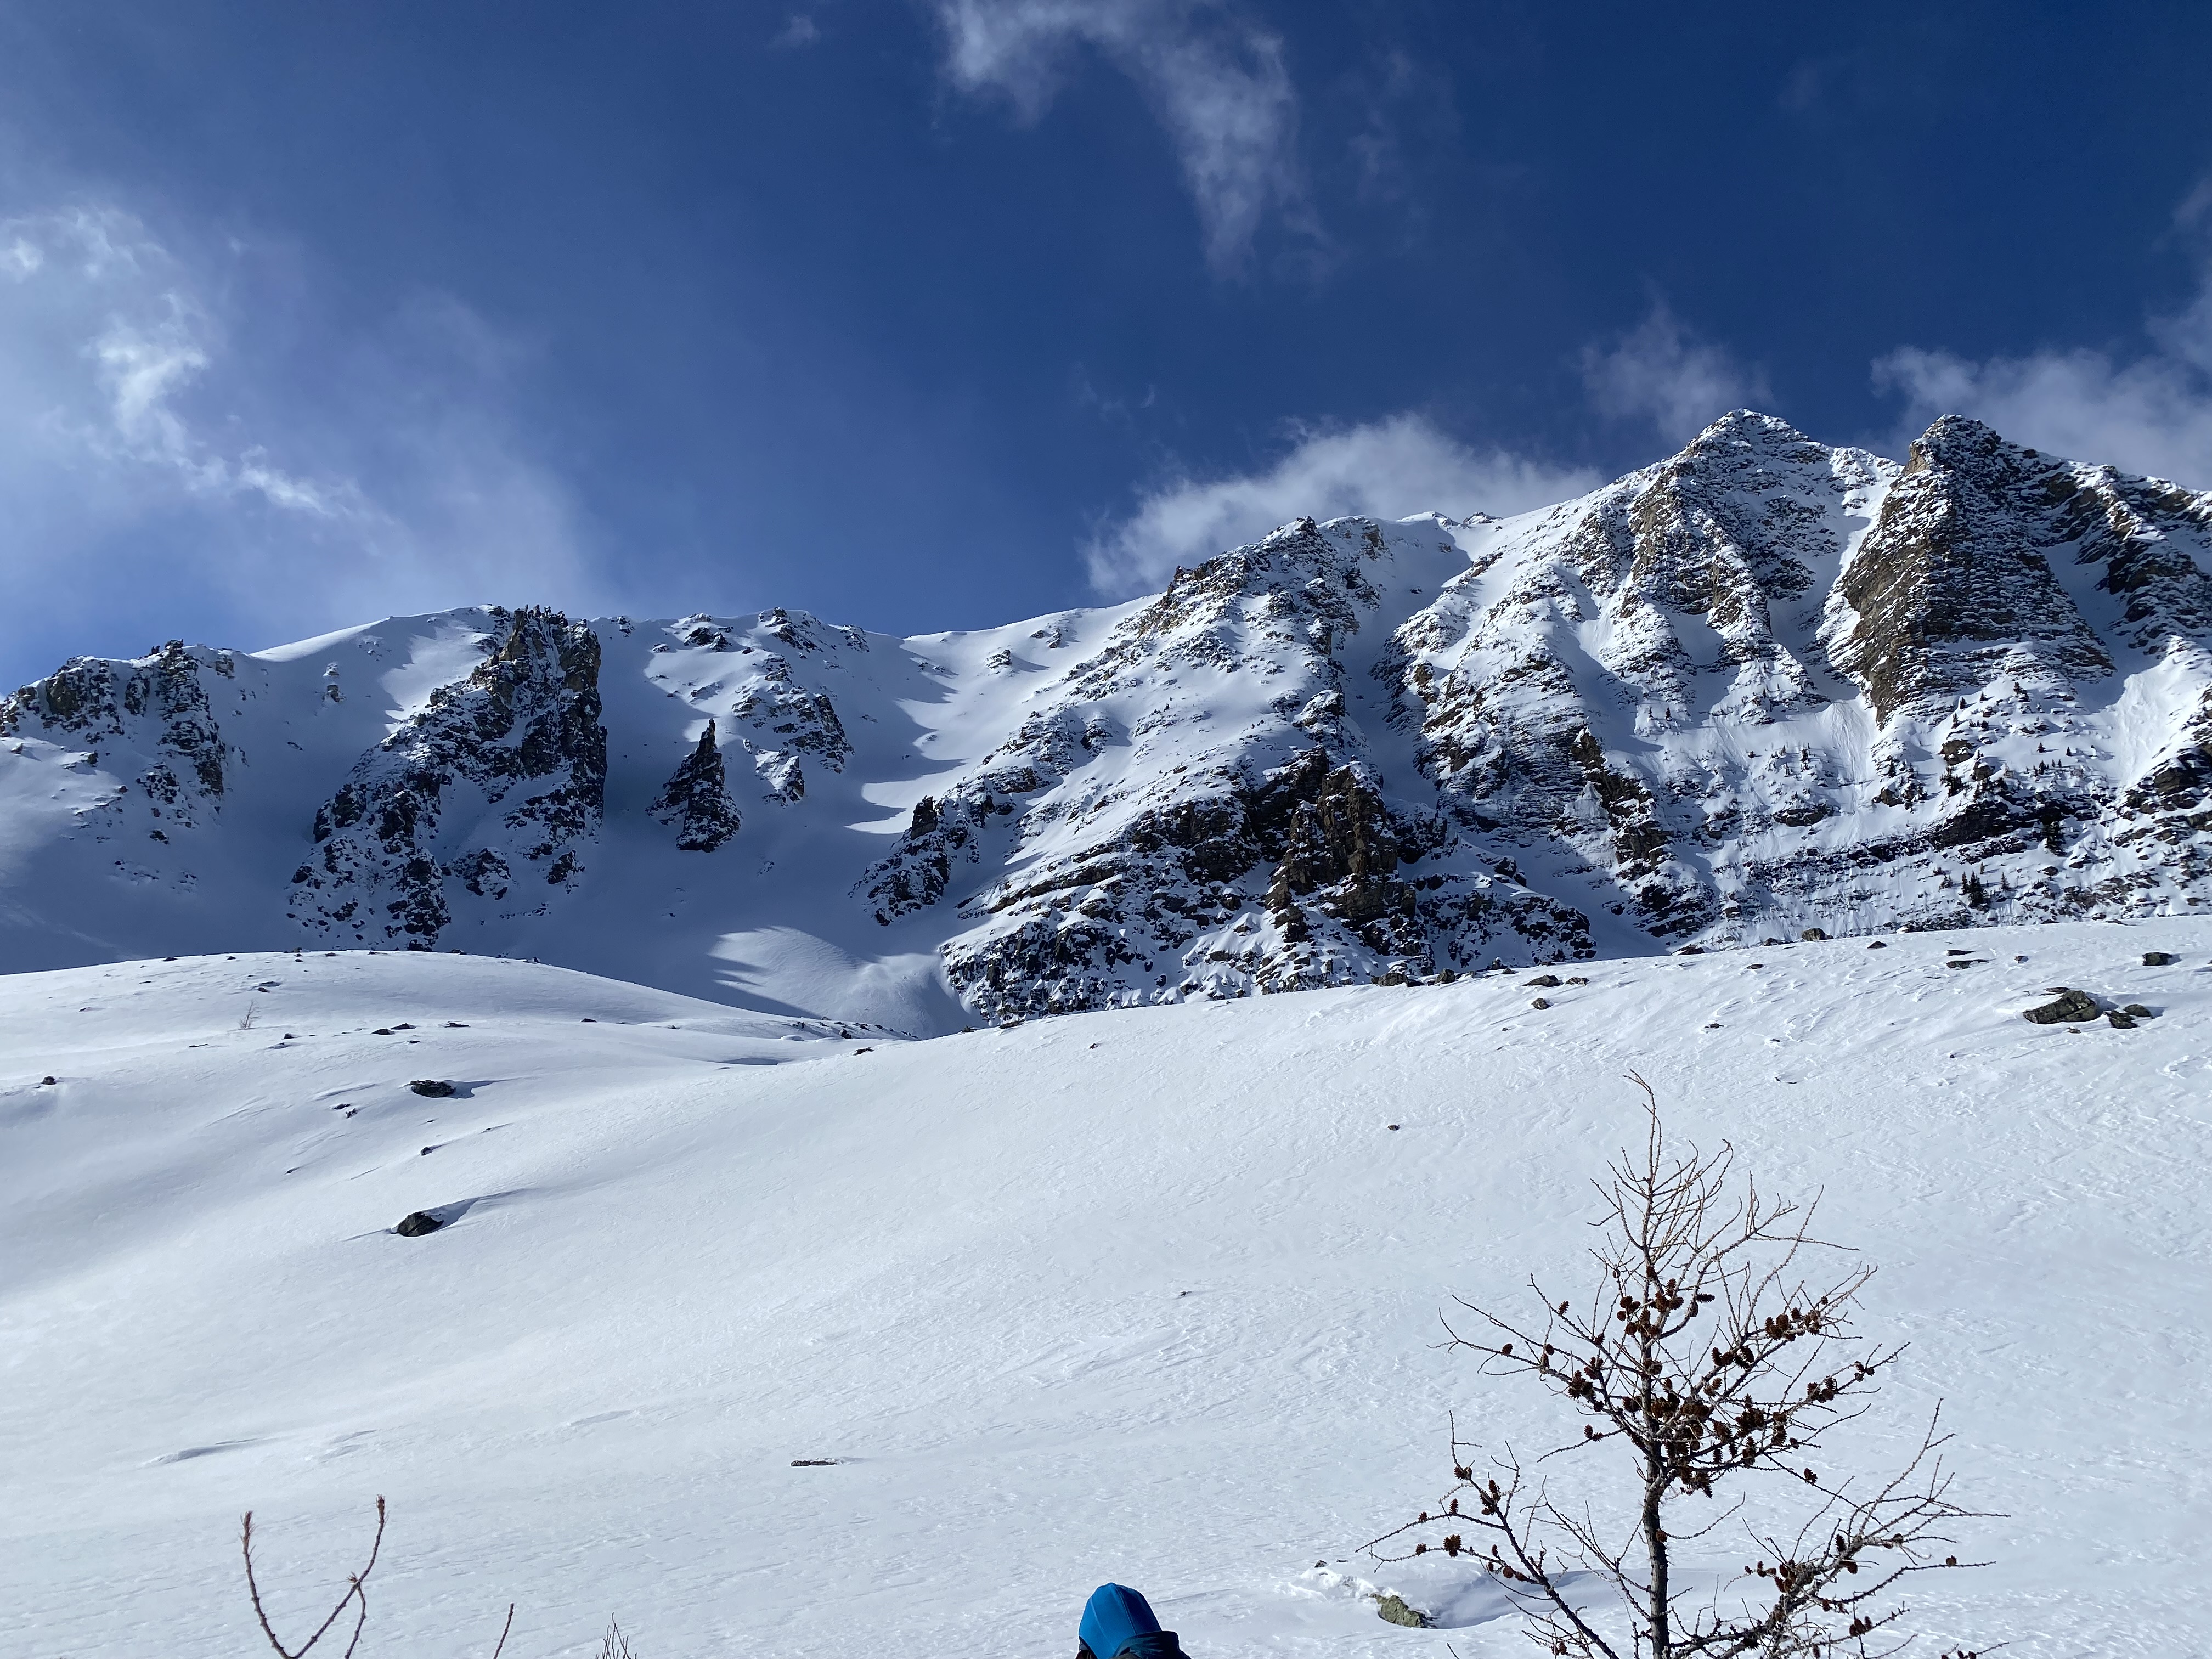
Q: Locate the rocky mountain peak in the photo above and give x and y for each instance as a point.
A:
(1761, 685)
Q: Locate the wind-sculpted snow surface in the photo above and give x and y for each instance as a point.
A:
(776, 1336)
(1764, 686)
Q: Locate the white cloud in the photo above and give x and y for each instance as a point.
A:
(1217, 83)
(1390, 469)
(1660, 373)
(2153, 415)
(800, 31)
(145, 425)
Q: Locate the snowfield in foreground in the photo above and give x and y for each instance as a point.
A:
(1149, 1294)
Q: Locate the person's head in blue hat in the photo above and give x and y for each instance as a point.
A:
(1118, 1623)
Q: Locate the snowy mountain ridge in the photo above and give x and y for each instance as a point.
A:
(1763, 686)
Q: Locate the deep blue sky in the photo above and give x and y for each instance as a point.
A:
(922, 313)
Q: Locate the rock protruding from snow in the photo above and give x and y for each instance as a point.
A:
(695, 802)
(484, 800)
(2069, 1008)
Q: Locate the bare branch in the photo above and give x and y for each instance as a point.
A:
(355, 1595)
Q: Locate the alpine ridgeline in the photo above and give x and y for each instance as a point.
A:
(1762, 687)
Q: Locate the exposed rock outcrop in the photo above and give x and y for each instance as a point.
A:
(695, 802)
(485, 798)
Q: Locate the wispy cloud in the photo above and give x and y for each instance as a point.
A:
(142, 420)
(799, 31)
(1660, 373)
(1388, 469)
(106, 339)
(1215, 79)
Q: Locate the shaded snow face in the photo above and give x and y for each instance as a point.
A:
(1762, 686)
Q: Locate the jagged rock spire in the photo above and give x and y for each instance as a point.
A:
(695, 802)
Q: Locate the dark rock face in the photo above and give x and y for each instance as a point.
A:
(510, 763)
(695, 802)
(157, 706)
(418, 1223)
(1954, 587)
(2069, 1008)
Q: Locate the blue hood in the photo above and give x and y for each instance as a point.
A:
(1115, 1616)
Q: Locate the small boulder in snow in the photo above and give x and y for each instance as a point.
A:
(417, 1222)
(1544, 982)
(2072, 1007)
(2159, 958)
(436, 1088)
(1813, 933)
(1395, 1609)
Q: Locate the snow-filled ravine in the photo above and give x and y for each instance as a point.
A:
(1149, 1294)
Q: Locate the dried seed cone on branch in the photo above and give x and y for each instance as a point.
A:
(1706, 1352)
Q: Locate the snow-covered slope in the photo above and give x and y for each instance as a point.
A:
(1763, 686)
(1148, 1295)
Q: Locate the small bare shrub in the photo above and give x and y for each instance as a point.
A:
(1704, 1357)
